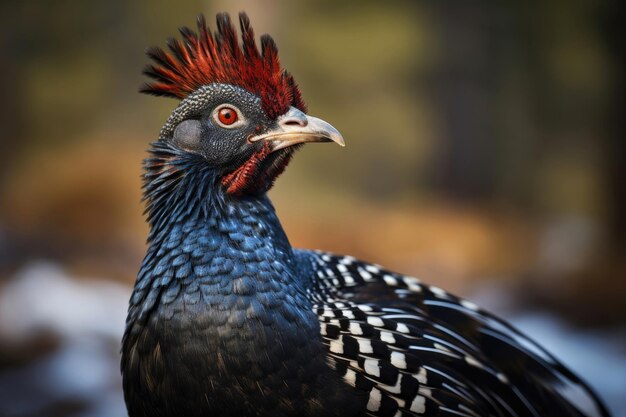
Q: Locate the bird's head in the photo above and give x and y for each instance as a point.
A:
(241, 116)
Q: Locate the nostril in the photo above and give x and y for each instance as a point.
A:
(295, 122)
(293, 119)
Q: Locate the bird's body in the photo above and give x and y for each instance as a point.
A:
(229, 320)
(226, 318)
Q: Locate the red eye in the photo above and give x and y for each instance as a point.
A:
(227, 116)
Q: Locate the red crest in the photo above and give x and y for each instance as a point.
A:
(203, 58)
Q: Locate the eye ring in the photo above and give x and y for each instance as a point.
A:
(228, 116)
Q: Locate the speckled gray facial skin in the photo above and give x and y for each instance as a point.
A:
(191, 127)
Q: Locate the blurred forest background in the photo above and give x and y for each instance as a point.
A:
(485, 154)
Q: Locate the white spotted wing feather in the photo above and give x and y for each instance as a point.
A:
(418, 350)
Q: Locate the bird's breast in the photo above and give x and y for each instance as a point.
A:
(220, 324)
(228, 344)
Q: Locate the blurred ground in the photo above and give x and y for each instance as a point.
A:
(485, 150)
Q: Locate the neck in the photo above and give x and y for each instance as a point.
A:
(190, 212)
(179, 187)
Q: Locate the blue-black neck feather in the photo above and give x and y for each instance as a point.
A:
(177, 186)
(190, 212)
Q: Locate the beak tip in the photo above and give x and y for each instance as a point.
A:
(338, 139)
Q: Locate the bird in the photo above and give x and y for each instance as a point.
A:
(226, 318)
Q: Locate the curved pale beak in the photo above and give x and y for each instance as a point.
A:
(296, 127)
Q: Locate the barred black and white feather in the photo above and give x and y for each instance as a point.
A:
(418, 350)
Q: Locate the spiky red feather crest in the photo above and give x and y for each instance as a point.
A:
(203, 58)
